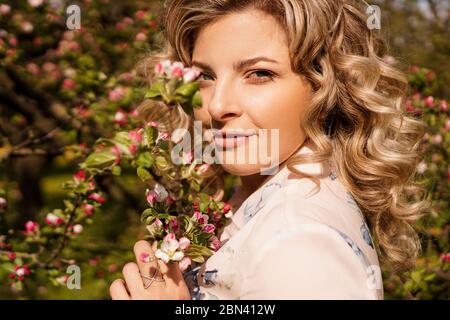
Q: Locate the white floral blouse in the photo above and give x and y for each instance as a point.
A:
(287, 242)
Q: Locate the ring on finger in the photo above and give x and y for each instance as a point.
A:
(147, 280)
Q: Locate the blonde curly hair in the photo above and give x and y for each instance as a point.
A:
(372, 143)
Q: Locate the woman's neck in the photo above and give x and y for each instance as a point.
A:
(251, 183)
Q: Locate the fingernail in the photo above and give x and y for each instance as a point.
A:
(145, 257)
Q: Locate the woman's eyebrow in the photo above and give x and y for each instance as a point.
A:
(238, 66)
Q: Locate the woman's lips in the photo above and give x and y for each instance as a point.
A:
(231, 141)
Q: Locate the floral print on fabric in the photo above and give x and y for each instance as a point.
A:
(251, 208)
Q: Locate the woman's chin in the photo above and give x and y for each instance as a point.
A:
(244, 169)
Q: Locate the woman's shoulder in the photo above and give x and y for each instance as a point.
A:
(310, 260)
(296, 203)
(327, 218)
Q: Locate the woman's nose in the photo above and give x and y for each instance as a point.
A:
(224, 104)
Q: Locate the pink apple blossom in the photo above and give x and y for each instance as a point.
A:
(153, 124)
(88, 209)
(80, 176)
(116, 151)
(215, 243)
(153, 25)
(190, 74)
(120, 25)
(139, 14)
(184, 263)
(13, 41)
(217, 216)
(33, 68)
(169, 201)
(134, 113)
(445, 257)
(209, 228)
(155, 226)
(77, 229)
(169, 251)
(443, 106)
(429, 101)
(116, 94)
(70, 73)
(35, 3)
(53, 220)
(141, 37)
(159, 69)
(176, 70)
(49, 67)
(26, 26)
(121, 118)
(161, 192)
(169, 236)
(69, 84)
(5, 9)
(437, 139)
(226, 207)
(151, 198)
(421, 167)
(447, 125)
(201, 218)
(390, 60)
(184, 243)
(3, 203)
(164, 136)
(127, 76)
(173, 224)
(136, 135)
(164, 68)
(97, 197)
(31, 227)
(133, 148)
(128, 20)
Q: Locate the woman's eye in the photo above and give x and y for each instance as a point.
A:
(262, 76)
(201, 75)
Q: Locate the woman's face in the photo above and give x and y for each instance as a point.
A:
(261, 94)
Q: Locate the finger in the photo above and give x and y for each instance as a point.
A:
(171, 273)
(132, 278)
(117, 290)
(146, 261)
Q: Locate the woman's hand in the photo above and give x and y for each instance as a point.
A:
(169, 283)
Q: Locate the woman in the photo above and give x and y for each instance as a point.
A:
(313, 72)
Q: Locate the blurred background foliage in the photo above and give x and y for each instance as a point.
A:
(60, 90)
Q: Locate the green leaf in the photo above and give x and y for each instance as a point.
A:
(161, 162)
(188, 89)
(100, 159)
(145, 160)
(197, 100)
(196, 249)
(122, 138)
(198, 259)
(149, 136)
(143, 174)
(155, 91)
(116, 170)
(148, 215)
(69, 205)
(429, 277)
